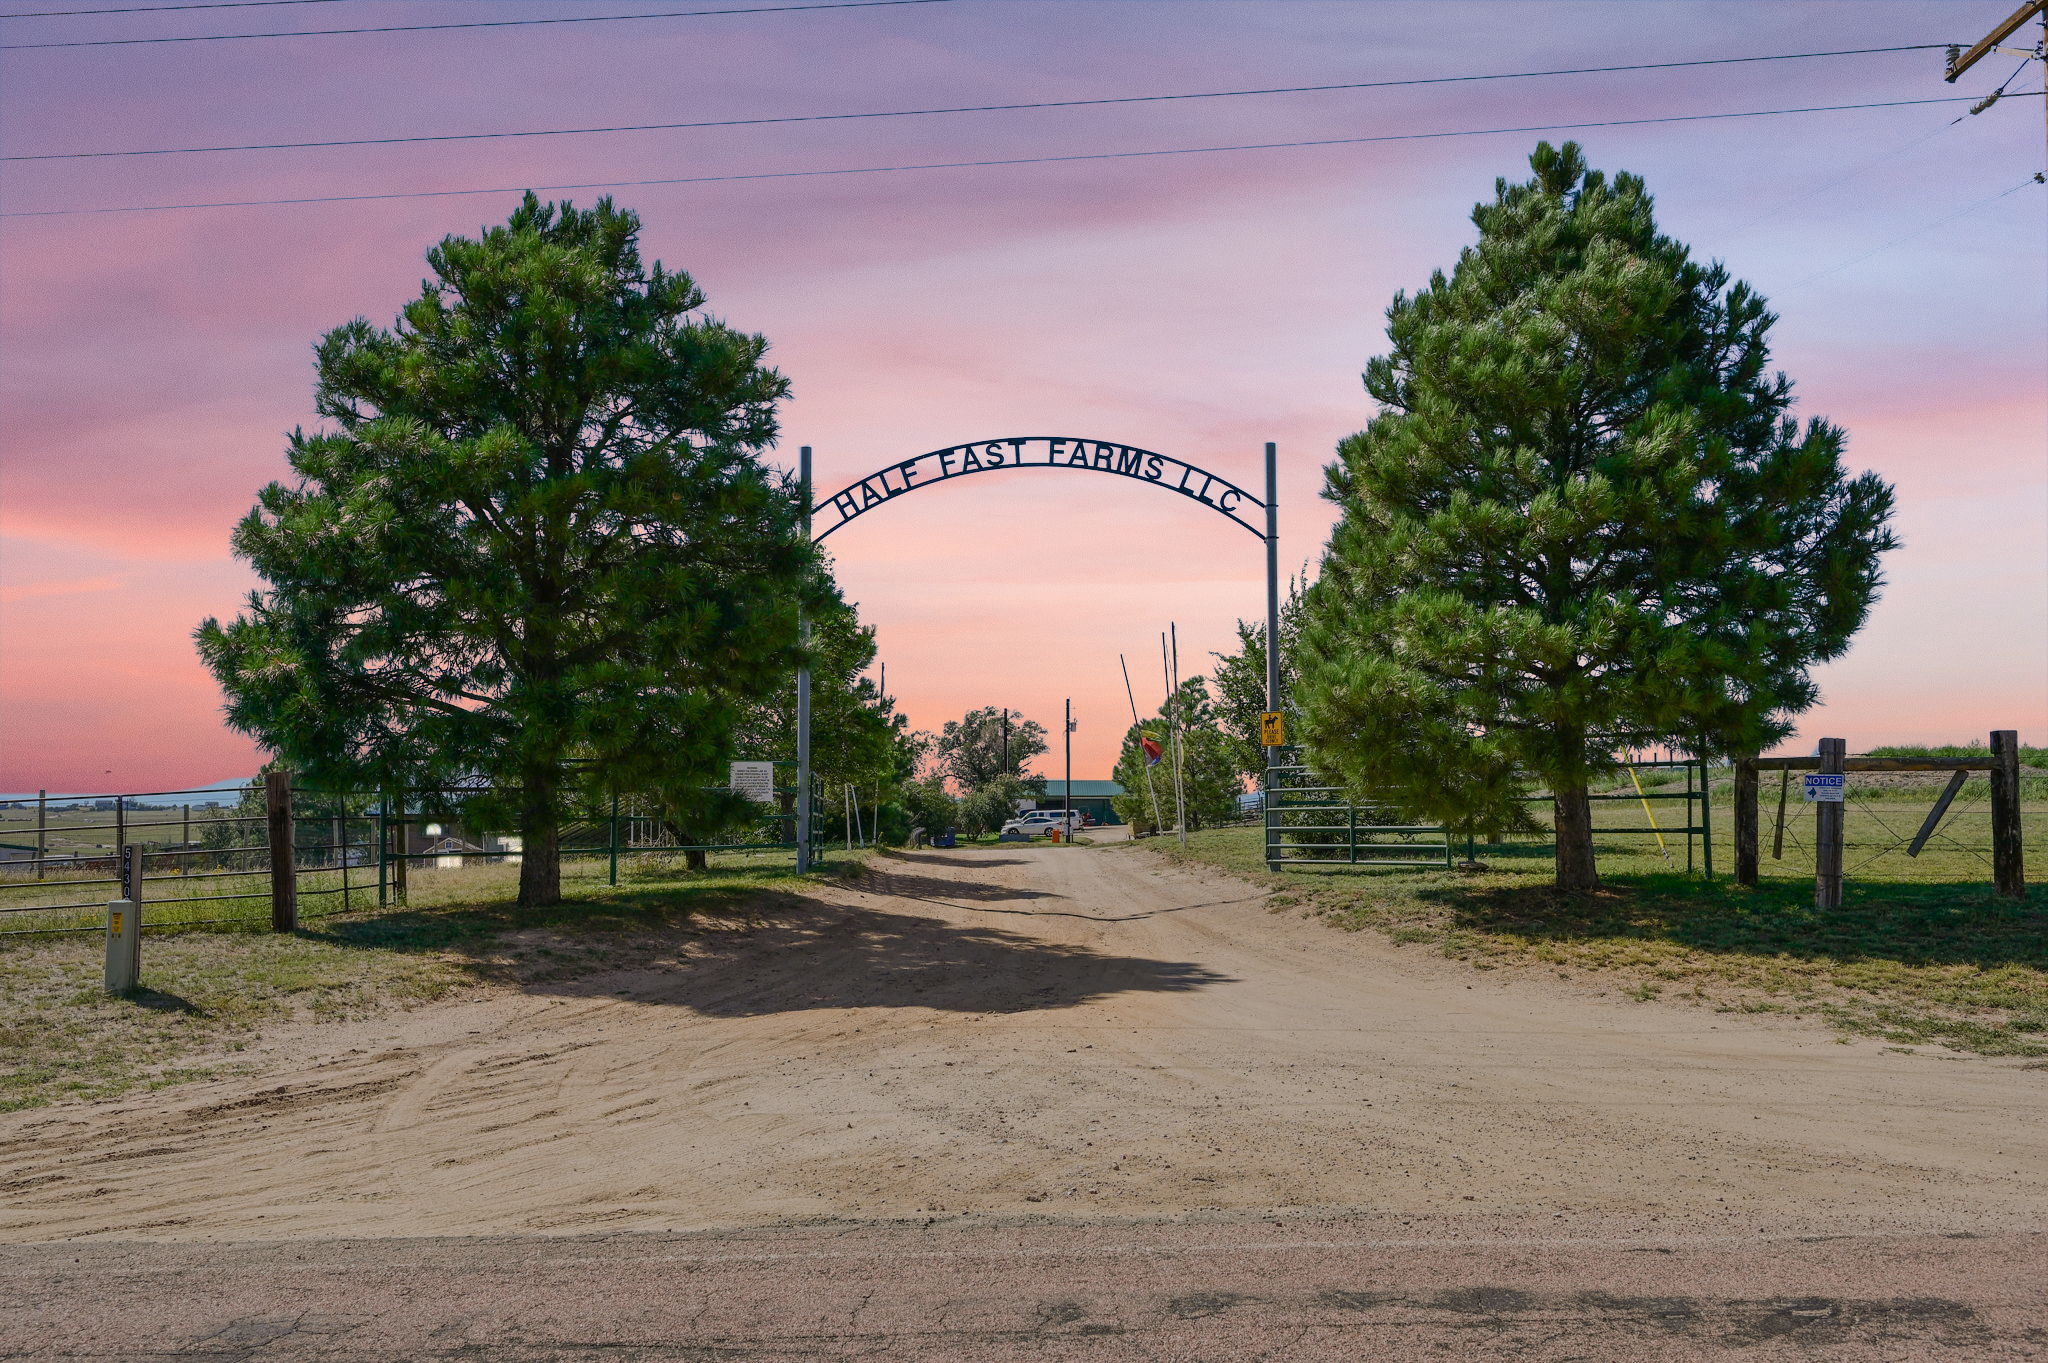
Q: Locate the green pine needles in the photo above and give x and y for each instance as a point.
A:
(1583, 520)
(536, 548)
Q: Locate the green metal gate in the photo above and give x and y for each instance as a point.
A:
(1310, 822)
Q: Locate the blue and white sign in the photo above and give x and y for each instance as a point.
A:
(1824, 787)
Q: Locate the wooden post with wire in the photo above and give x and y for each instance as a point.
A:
(2008, 864)
(1745, 819)
(284, 876)
(1827, 829)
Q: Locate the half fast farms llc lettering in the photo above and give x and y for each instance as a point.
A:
(1041, 451)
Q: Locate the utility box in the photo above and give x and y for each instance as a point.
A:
(124, 945)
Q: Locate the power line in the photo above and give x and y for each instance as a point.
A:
(2034, 179)
(473, 23)
(967, 108)
(162, 9)
(970, 165)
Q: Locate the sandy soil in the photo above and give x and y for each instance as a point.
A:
(1071, 1033)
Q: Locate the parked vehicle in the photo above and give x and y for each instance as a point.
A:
(1036, 823)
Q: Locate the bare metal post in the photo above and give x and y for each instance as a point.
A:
(2008, 866)
(803, 691)
(42, 830)
(1827, 831)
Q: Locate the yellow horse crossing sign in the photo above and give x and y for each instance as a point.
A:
(1272, 729)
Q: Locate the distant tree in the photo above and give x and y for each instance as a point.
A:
(1583, 520)
(1209, 774)
(987, 745)
(537, 547)
(986, 807)
(927, 805)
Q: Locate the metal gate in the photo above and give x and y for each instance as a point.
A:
(1311, 822)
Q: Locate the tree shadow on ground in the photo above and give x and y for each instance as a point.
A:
(881, 878)
(815, 956)
(1910, 923)
(973, 858)
(755, 954)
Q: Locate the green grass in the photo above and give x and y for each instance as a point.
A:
(1919, 952)
(206, 994)
(2029, 756)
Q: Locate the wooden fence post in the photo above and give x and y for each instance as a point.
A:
(1745, 819)
(2008, 865)
(284, 853)
(1827, 831)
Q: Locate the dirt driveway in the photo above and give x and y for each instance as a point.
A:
(977, 1041)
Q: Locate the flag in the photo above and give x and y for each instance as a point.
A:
(1153, 752)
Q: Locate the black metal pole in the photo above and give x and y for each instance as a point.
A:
(803, 691)
(1272, 583)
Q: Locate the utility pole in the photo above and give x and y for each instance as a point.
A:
(1959, 62)
(1067, 799)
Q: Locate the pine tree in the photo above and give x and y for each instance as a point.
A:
(1583, 519)
(535, 549)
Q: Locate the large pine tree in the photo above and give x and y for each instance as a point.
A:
(1582, 520)
(536, 546)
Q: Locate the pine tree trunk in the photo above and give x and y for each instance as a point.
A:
(1572, 816)
(696, 860)
(540, 831)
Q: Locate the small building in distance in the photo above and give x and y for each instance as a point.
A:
(1090, 797)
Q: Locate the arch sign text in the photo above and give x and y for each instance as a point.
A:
(1042, 451)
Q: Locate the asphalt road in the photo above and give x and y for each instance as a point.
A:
(1296, 1290)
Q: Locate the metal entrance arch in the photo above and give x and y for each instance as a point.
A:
(1037, 452)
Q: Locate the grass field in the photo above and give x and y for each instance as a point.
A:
(1921, 950)
(205, 993)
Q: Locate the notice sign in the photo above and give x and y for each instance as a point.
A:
(1825, 788)
(755, 780)
(1272, 729)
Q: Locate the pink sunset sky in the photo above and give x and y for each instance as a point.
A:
(1199, 305)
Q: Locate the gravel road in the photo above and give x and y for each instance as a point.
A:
(1047, 1103)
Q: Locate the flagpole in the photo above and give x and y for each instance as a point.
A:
(1144, 762)
(1168, 670)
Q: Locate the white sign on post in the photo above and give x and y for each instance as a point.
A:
(1825, 788)
(755, 780)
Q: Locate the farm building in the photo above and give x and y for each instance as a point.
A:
(1090, 797)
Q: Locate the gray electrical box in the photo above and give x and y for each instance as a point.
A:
(124, 945)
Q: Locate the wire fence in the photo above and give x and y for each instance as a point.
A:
(253, 857)
(1675, 813)
(1907, 827)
